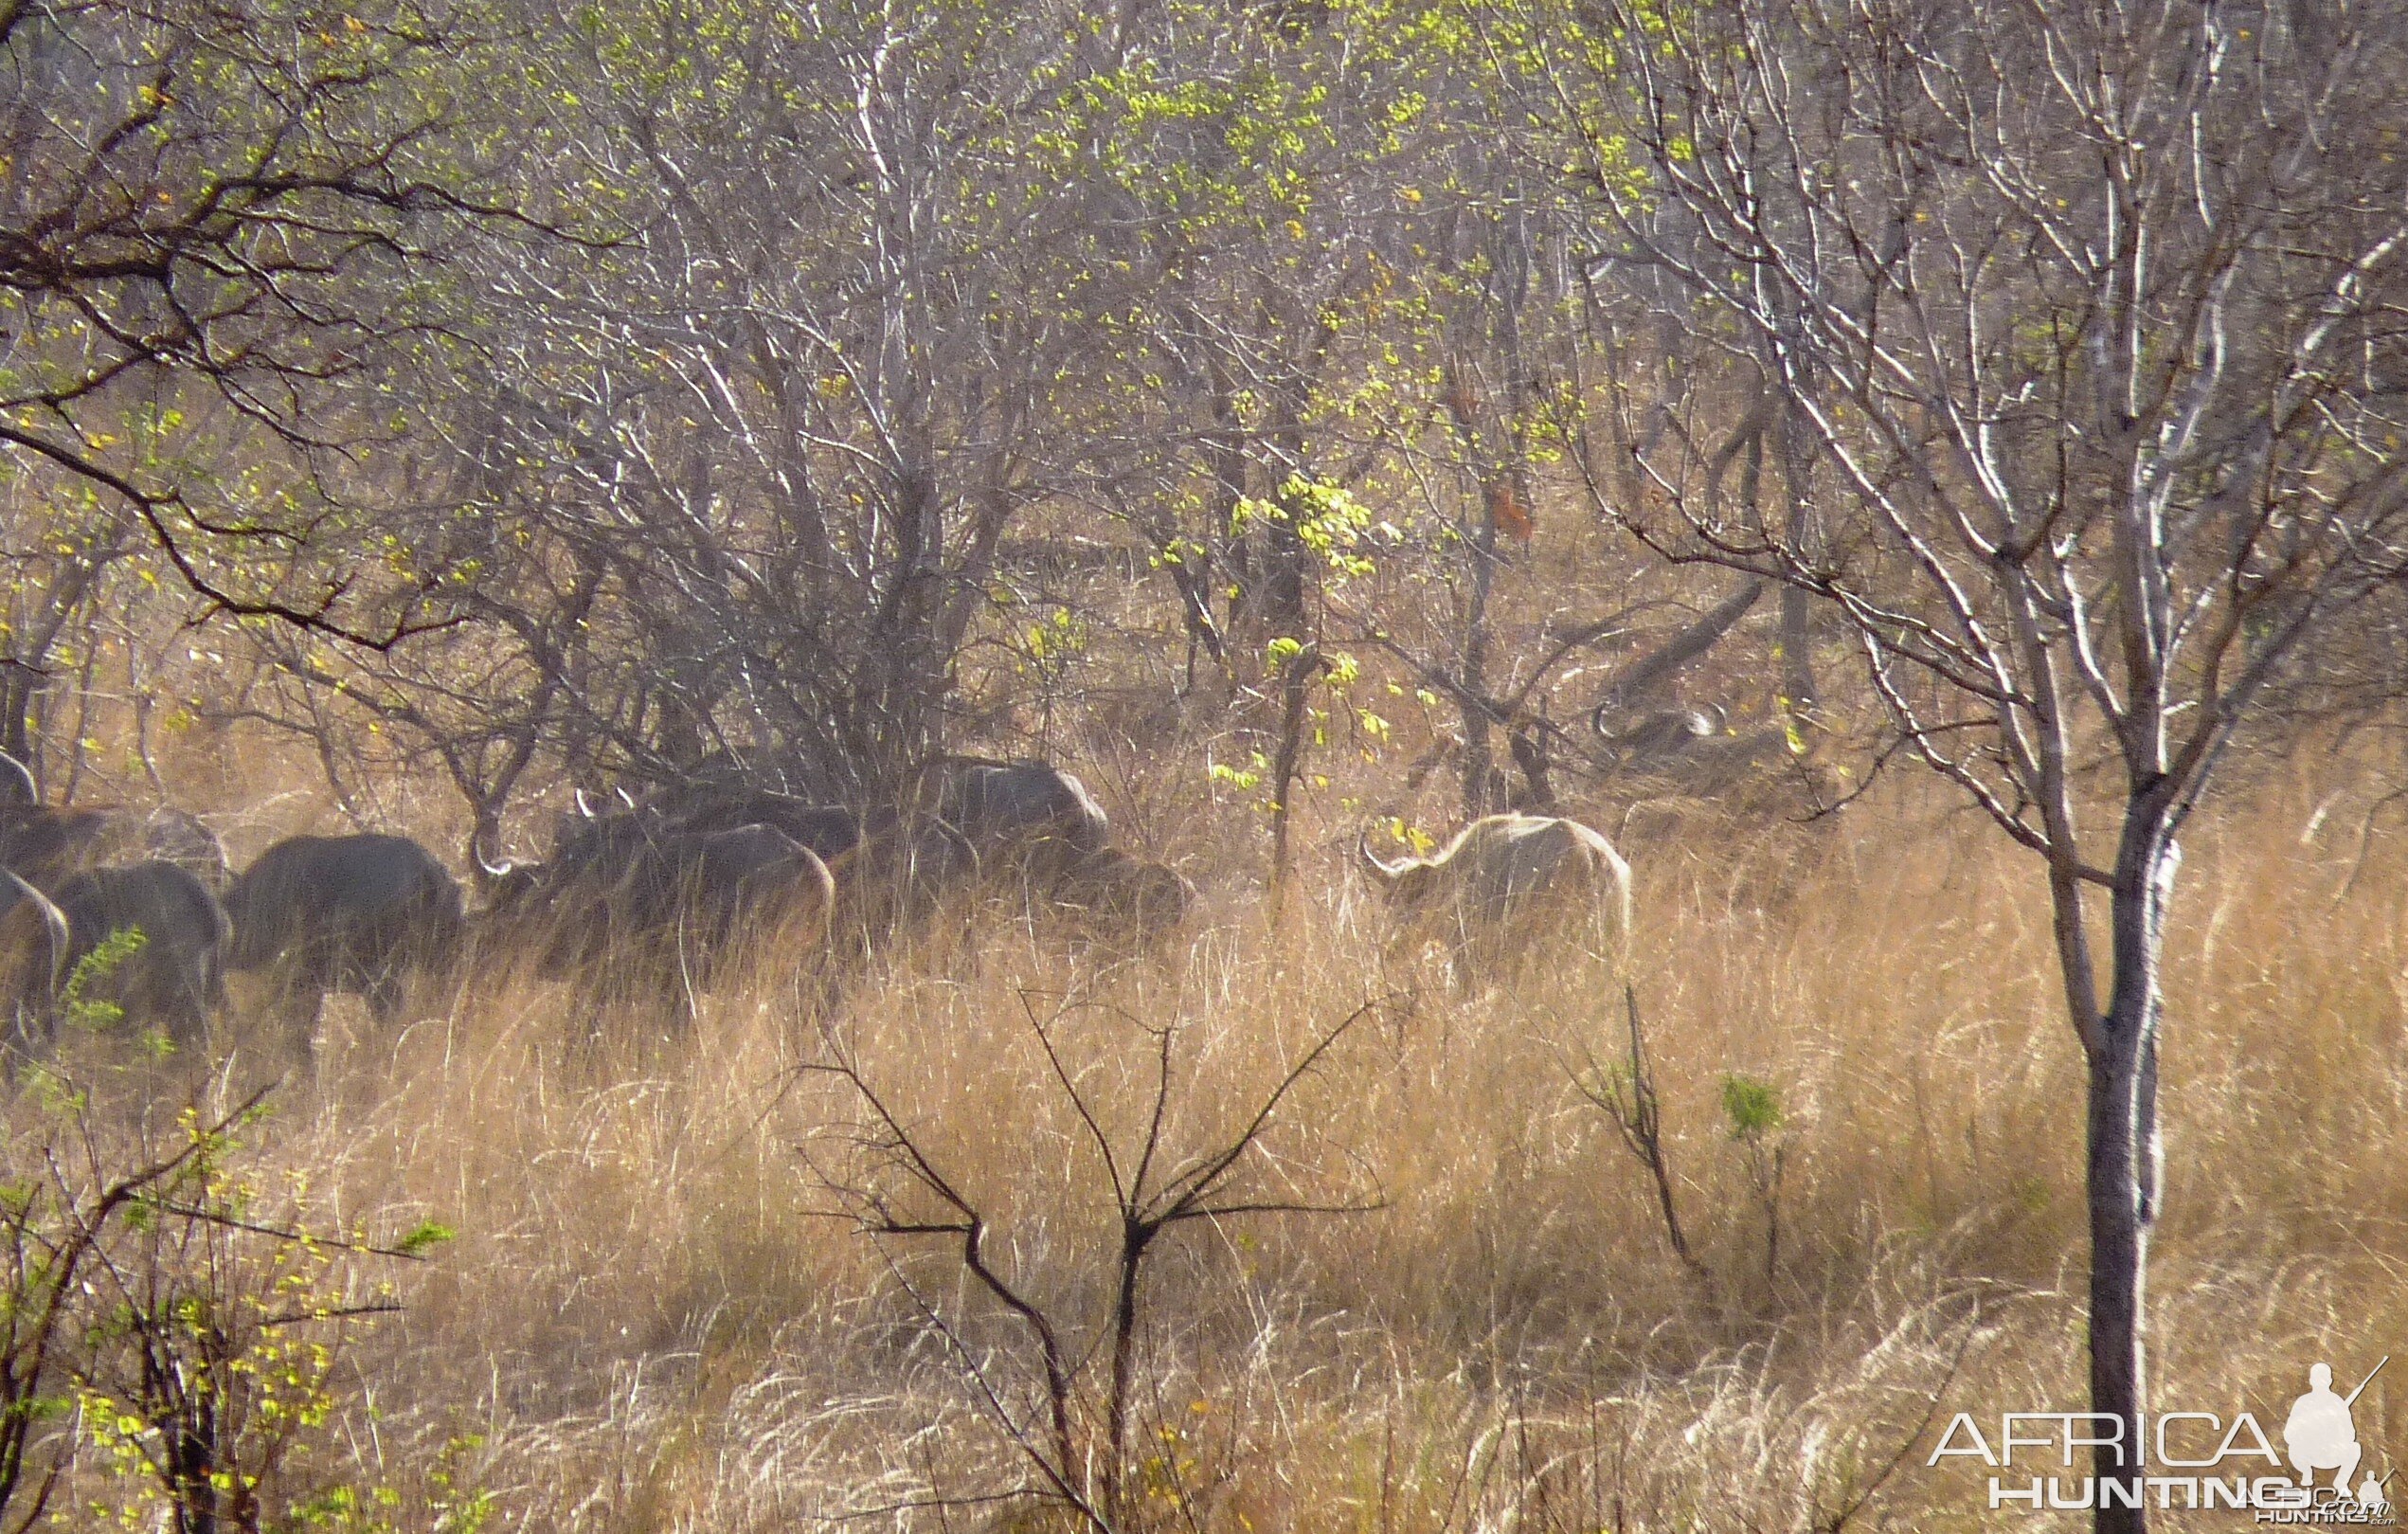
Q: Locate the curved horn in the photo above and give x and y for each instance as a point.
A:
(1597, 719)
(16, 782)
(1721, 718)
(54, 926)
(584, 805)
(479, 839)
(1389, 873)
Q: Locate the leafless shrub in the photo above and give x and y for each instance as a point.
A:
(1075, 1436)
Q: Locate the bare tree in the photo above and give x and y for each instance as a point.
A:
(2092, 313)
(895, 1183)
(787, 420)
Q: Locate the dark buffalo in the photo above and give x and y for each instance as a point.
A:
(175, 978)
(370, 915)
(890, 868)
(1024, 819)
(828, 830)
(169, 835)
(715, 892)
(46, 844)
(664, 908)
(1026, 822)
(591, 849)
(634, 885)
(1127, 897)
(1655, 738)
(898, 871)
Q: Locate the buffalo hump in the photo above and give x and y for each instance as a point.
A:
(828, 830)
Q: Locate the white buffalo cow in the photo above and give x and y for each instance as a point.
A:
(1510, 889)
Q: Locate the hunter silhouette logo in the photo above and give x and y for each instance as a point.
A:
(2319, 1434)
(2188, 1460)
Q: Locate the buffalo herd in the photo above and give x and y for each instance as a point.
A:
(659, 897)
(656, 896)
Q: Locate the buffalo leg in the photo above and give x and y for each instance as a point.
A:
(389, 996)
(295, 1010)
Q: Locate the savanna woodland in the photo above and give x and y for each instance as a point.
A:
(1332, 764)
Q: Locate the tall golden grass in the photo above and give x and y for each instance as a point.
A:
(657, 1313)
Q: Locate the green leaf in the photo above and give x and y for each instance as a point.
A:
(424, 1238)
(1752, 1107)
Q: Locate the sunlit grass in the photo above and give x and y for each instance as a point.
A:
(656, 1315)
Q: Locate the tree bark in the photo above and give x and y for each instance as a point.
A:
(20, 685)
(1296, 680)
(1801, 694)
(2124, 1161)
(1480, 772)
(1134, 1240)
(1658, 667)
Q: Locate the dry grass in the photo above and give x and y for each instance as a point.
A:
(653, 1320)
